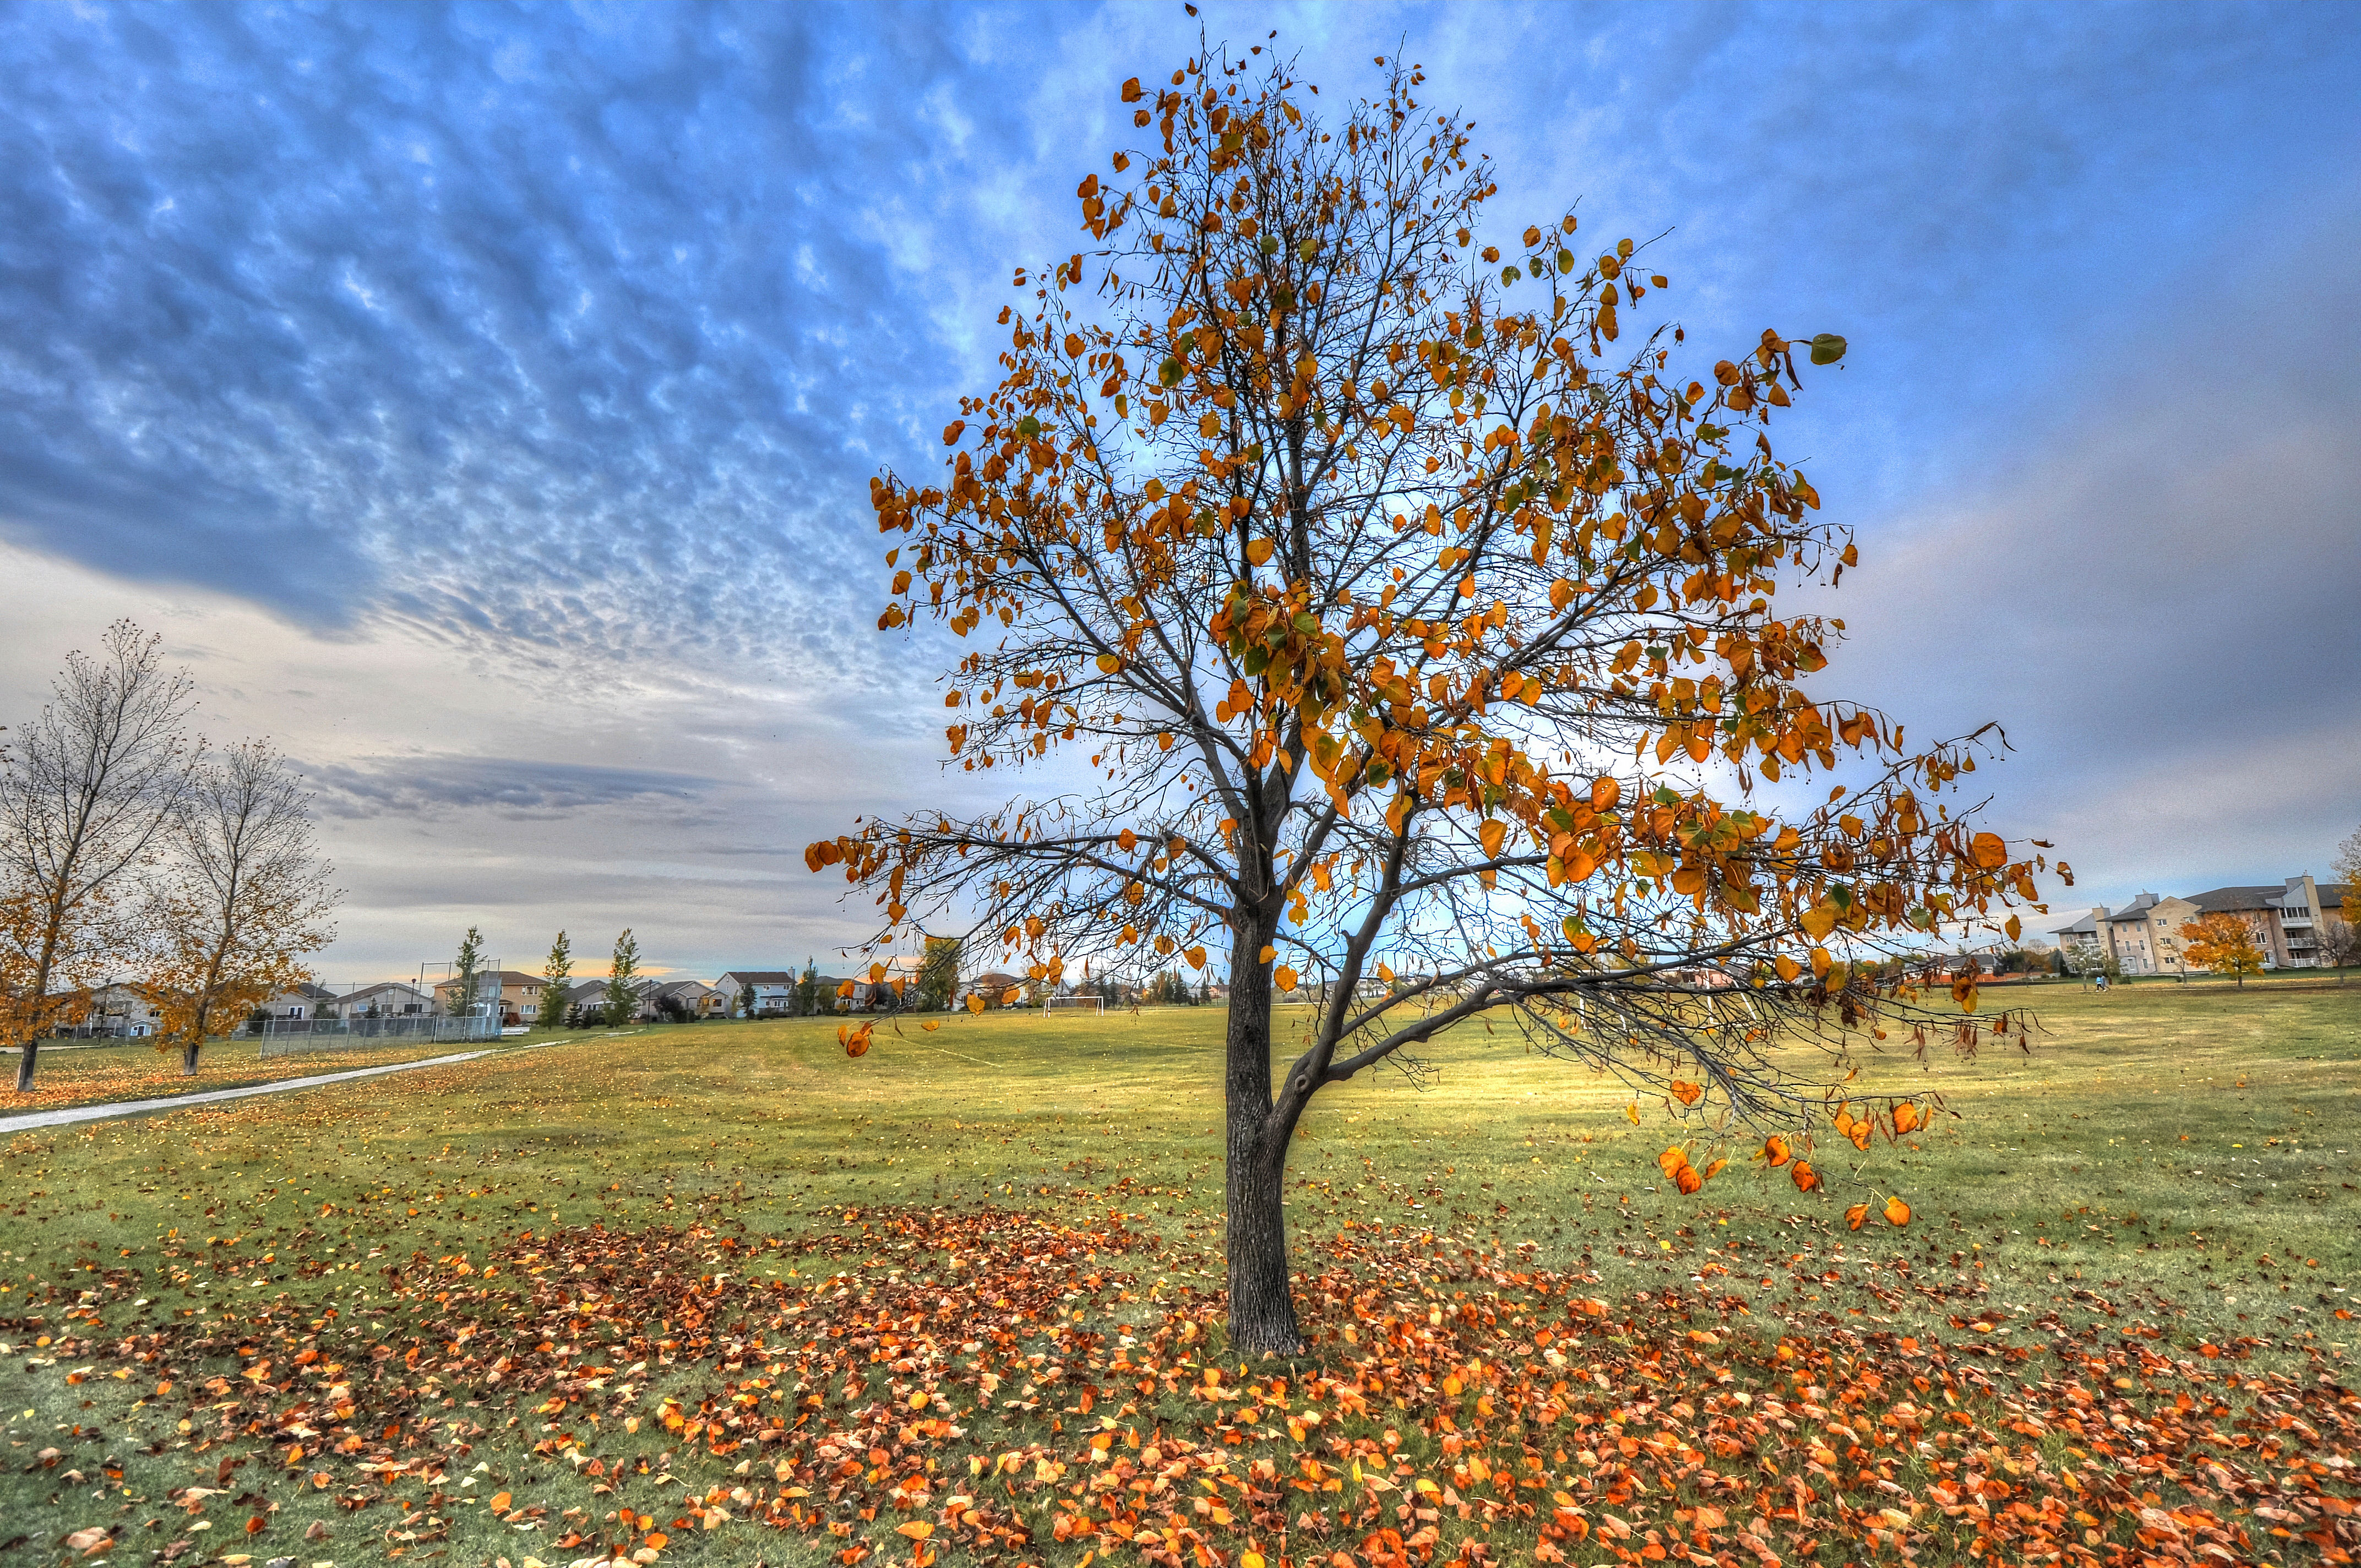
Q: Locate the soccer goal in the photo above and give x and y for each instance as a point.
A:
(1074, 1004)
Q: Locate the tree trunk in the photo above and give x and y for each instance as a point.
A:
(28, 1052)
(1262, 1308)
(195, 1043)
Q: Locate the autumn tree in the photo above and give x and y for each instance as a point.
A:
(1415, 615)
(556, 971)
(623, 995)
(2222, 944)
(84, 793)
(241, 898)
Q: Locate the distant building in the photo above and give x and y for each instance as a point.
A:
(515, 995)
(385, 999)
(774, 992)
(2286, 922)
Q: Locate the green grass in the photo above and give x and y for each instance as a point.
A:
(2184, 1158)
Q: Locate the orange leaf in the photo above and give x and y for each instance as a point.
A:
(917, 1530)
(1715, 1169)
(1283, 977)
(657, 1540)
(1257, 551)
(1687, 1093)
(1856, 1215)
(1492, 835)
(499, 1504)
(974, 1002)
(1687, 1179)
(1774, 1149)
(1805, 1177)
(931, 1025)
(1905, 1117)
(1990, 853)
(1897, 1212)
(255, 1524)
(1673, 1160)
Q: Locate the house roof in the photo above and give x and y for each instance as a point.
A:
(2223, 900)
(2137, 909)
(762, 976)
(2086, 926)
(995, 979)
(507, 977)
(385, 986)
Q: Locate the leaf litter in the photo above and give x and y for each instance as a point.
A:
(1008, 1388)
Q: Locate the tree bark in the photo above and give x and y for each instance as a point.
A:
(1262, 1306)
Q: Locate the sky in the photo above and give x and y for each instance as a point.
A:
(481, 401)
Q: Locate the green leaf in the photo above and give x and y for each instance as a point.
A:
(1028, 427)
(1565, 260)
(1169, 373)
(1828, 348)
(1510, 275)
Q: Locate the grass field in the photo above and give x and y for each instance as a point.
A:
(721, 1294)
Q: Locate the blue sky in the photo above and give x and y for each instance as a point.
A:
(483, 399)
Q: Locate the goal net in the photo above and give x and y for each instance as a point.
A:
(1074, 1004)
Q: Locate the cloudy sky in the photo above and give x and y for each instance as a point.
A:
(481, 401)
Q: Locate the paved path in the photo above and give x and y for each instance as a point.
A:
(71, 1113)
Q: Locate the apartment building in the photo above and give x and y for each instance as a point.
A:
(2287, 922)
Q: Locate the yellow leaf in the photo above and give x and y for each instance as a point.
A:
(1196, 957)
(1269, 953)
(931, 1025)
(1250, 1560)
(1257, 551)
(917, 1530)
(974, 1003)
(918, 1400)
(1632, 1113)
(1283, 977)
(1109, 664)
(1209, 425)
(1493, 834)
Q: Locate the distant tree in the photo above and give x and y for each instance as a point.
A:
(807, 989)
(242, 897)
(938, 972)
(2085, 957)
(2222, 944)
(556, 971)
(1406, 624)
(622, 998)
(91, 783)
(672, 1009)
(2348, 868)
(746, 999)
(466, 965)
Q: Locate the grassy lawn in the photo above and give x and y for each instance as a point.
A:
(74, 1073)
(720, 1294)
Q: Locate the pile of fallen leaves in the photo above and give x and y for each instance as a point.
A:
(993, 1383)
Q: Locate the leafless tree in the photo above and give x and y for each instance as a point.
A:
(89, 783)
(244, 897)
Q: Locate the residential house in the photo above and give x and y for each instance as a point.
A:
(515, 996)
(302, 1002)
(119, 1012)
(385, 999)
(697, 999)
(992, 987)
(774, 992)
